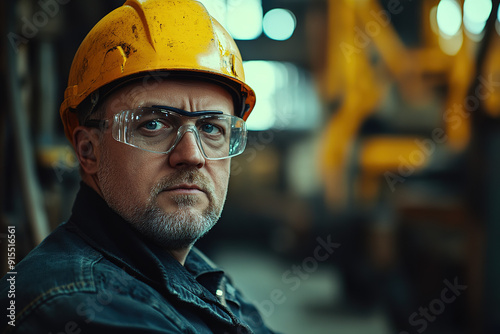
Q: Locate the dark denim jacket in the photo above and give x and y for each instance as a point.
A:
(94, 274)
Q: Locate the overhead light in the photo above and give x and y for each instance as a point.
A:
(286, 96)
(476, 13)
(449, 17)
(262, 77)
(477, 10)
(279, 24)
(244, 19)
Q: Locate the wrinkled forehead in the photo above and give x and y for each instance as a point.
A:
(186, 94)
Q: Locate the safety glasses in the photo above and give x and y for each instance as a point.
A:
(159, 128)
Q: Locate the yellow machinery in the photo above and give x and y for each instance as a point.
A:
(356, 30)
(358, 168)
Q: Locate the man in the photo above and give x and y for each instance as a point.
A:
(155, 109)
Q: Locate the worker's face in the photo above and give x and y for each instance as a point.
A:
(171, 198)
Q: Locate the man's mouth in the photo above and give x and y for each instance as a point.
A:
(185, 188)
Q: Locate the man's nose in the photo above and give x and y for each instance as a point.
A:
(187, 153)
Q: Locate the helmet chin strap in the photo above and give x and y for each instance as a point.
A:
(189, 113)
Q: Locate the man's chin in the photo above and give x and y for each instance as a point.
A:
(175, 228)
(189, 213)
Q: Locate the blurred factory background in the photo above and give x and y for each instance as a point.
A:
(368, 199)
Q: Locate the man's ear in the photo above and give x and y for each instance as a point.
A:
(86, 143)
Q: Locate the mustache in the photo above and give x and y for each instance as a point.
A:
(190, 176)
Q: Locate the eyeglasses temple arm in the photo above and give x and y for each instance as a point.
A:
(96, 123)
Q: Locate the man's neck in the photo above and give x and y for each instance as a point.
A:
(92, 182)
(180, 254)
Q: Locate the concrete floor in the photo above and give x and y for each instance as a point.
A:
(311, 304)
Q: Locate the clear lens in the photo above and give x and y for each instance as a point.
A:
(219, 136)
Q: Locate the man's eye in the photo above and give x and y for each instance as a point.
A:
(153, 125)
(210, 128)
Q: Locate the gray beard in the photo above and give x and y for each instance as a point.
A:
(177, 230)
(173, 231)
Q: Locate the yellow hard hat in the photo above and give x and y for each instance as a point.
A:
(147, 37)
